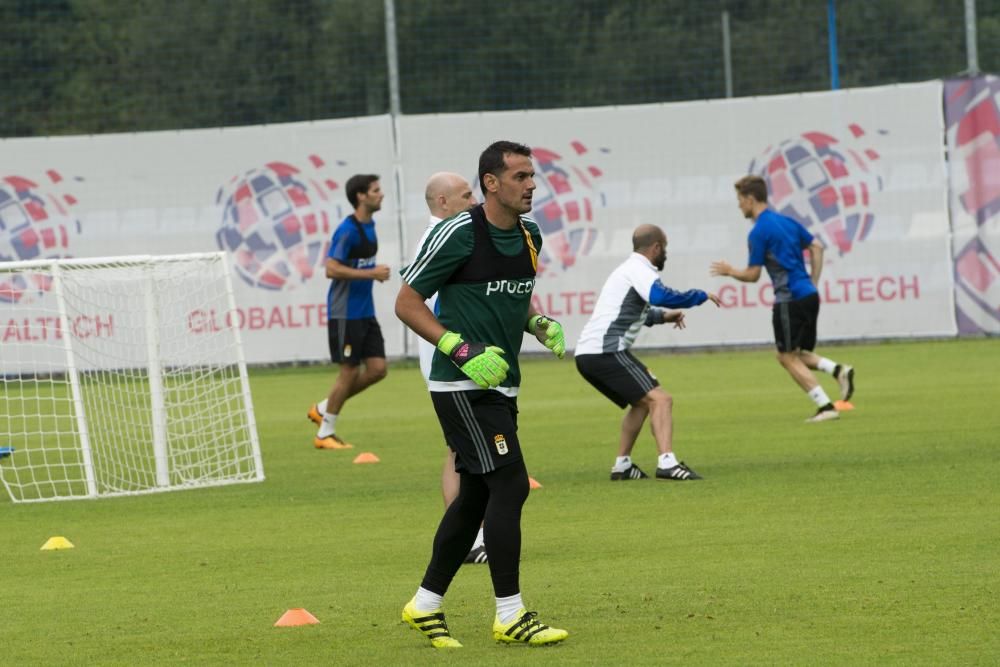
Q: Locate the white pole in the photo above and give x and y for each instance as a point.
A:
(74, 382)
(395, 112)
(971, 46)
(258, 462)
(727, 56)
(155, 377)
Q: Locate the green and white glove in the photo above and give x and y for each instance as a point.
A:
(549, 333)
(484, 364)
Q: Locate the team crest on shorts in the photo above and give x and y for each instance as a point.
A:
(347, 350)
(501, 443)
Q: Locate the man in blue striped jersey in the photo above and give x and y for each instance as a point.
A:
(353, 333)
(777, 243)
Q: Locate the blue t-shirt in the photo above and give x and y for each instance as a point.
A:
(352, 299)
(776, 243)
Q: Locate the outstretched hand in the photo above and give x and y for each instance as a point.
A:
(720, 268)
(714, 298)
(676, 317)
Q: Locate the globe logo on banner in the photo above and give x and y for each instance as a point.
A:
(825, 183)
(564, 204)
(36, 222)
(972, 116)
(277, 221)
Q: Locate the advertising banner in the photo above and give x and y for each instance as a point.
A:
(863, 169)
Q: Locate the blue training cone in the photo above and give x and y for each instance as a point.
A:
(6, 451)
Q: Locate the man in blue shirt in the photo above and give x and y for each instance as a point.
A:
(777, 243)
(353, 332)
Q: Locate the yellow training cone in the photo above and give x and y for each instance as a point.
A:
(366, 457)
(297, 616)
(54, 543)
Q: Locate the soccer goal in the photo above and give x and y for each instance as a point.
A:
(105, 388)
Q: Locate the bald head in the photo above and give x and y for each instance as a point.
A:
(651, 242)
(447, 193)
(645, 236)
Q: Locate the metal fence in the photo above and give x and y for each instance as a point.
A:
(92, 66)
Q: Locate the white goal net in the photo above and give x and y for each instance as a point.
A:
(105, 387)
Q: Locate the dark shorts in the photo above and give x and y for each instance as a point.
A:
(480, 426)
(353, 340)
(795, 324)
(618, 375)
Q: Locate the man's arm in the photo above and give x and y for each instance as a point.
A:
(815, 260)
(750, 274)
(668, 297)
(412, 310)
(337, 271)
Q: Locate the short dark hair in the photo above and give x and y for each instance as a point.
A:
(491, 159)
(358, 184)
(753, 186)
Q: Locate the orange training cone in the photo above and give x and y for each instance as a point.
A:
(843, 406)
(366, 457)
(533, 483)
(297, 616)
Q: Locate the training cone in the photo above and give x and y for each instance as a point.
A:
(533, 483)
(843, 406)
(54, 543)
(297, 616)
(366, 457)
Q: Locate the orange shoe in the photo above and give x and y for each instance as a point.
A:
(314, 416)
(331, 442)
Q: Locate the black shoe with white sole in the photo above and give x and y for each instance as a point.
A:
(679, 473)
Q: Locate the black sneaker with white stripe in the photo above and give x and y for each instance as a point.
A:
(678, 473)
(477, 555)
(632, 472)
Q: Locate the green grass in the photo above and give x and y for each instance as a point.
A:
(872, 540)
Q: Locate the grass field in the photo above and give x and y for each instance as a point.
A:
(872, 540)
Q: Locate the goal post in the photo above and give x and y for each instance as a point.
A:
(105, 387)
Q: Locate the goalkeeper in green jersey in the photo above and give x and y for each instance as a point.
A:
(482, 265)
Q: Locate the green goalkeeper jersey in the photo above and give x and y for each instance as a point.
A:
(484, 277)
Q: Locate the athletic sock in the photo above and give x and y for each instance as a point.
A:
(828, 366)
(819, 396)
(427, 601)
(508, 607)
(327, 427)
(480, 540)
(667, 461)
(321, 406)
(622, 463)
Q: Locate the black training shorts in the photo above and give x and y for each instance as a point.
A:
(353, 340)
(480, 426)
(795, 324)
(618, 375)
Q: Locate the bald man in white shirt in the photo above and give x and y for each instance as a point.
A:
(447, 194)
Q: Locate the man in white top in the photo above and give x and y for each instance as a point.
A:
(633, 296)
(447, 194)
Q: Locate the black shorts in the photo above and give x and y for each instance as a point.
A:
(480, 426)
(795, 324)
(618, 375)
(353, 340)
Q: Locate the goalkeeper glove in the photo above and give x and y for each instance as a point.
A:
(549, 333)
(484, 364)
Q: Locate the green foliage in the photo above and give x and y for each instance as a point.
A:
(871, 540)
(89, 66)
